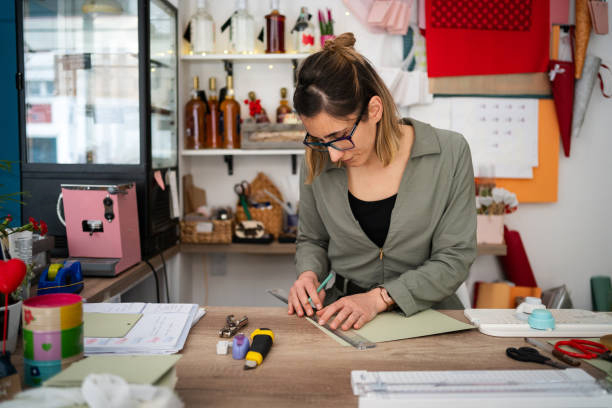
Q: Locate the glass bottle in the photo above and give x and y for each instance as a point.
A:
(284, 108)
(230, 109)
(242, 31)
(303, 32)
(195, 109)
(275, 30)
(258, 113)
(202, 30)
(215, 138)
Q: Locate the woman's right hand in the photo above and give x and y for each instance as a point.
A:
(306, 285)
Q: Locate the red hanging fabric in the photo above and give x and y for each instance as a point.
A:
(482, 37)
(561, 76)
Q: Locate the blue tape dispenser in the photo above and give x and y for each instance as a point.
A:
(61, 278)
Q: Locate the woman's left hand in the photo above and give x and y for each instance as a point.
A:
(353, 311)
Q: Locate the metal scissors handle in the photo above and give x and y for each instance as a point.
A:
(243, 188)
(589, 349)
(529, 354)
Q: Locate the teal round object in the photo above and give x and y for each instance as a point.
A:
(541, 319)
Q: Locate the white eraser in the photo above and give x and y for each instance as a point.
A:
(222, 346)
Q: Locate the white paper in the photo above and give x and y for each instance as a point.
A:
(162, 329)
(168, 308)
(113, 307)
(500, 131)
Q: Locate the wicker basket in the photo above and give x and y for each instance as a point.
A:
(271, 216)
(221, 233)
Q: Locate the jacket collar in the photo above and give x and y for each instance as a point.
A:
(425, 141)
(425, 138)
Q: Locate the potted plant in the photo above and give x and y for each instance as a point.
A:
(15, 243)
(491, 206)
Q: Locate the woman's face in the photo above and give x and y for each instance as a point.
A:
(327, 128)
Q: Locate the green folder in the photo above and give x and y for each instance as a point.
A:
(147, 369)
(115, 325)
(394, 326)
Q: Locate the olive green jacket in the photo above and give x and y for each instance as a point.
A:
(431, 241)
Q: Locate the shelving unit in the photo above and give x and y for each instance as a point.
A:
(245, 57)
(228, 61)
(242, 152)
(228, 155)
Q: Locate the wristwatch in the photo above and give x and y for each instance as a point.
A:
(386, 298)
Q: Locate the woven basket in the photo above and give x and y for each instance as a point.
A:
(221, 233)
(271, 216)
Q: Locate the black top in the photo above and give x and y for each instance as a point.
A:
(373, 216)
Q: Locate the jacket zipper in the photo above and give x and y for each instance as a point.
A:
(381, 254)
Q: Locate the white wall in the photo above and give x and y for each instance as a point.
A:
(567, 242)
(571, 240)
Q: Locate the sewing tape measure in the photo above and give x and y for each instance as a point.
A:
(352, 338)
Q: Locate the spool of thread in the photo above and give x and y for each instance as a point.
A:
(52, 335)
(600, 289)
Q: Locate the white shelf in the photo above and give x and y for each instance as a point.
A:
(244, 57)
(242, 152)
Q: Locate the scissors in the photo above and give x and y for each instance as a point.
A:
(529, 354)
(587, 349)
(243, 189)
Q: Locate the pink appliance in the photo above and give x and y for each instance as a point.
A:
(101, 227)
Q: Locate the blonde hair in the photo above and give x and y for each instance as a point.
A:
(341, 82)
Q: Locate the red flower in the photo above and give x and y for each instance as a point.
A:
(43, 228)
(9, 218)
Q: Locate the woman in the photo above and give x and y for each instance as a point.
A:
(388, 205)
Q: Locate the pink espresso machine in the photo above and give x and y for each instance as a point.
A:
(101, 227)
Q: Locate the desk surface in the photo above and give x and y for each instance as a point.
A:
(307, 368)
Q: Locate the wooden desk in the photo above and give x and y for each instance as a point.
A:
(307, 368)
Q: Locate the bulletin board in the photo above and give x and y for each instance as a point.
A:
(543, 186)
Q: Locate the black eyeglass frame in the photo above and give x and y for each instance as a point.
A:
(322, 146)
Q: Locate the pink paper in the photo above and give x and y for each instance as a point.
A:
(559, 11)
(421, 11)
(361, 9)
(403, 20)
(393, 14)
(378, 12)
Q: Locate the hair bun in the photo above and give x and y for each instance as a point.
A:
(345, 40)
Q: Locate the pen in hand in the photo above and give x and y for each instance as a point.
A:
(321, 286)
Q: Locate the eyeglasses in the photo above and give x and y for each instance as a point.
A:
(342, 143)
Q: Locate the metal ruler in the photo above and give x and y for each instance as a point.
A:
(352, 338)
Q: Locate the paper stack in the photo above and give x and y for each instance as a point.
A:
(156, 328)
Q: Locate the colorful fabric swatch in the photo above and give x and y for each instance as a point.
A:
(484, 37)
(508, 15)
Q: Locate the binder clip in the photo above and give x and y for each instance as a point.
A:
(61, 278)
(232, 326)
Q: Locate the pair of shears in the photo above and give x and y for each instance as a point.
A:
(243, 189)
(531, 355)
(586, 349)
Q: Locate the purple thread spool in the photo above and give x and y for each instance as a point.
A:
(240, 346)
